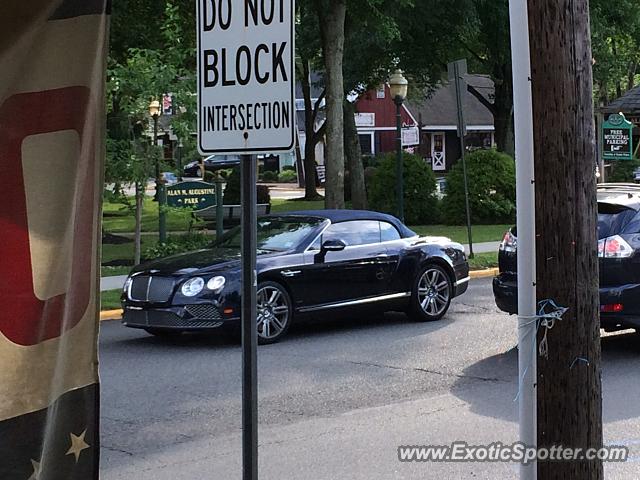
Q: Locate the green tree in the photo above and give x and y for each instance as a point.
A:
(492, 189)
(615, 38)
(421, 204)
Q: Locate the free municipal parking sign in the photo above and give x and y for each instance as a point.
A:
(246, 87)
(617, 138)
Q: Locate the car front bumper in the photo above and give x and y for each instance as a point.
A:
(184, 318)
(505, 292)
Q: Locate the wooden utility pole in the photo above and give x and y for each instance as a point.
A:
(569, 378)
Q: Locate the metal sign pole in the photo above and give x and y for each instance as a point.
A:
(457, 72)
(219, 209)
(249, 315)
(526, 221)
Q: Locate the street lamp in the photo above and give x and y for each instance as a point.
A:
(154, 111)
(398, 85)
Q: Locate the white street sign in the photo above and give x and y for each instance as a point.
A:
(246, 85)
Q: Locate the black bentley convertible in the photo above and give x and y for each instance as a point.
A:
(312, 261)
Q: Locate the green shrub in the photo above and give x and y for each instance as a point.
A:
(622, 171)
(209, 176)
(177, 244)
(492, 189)
(420, 202)
(232, 190)
(288, 176)
(289, 168)
(270, 176)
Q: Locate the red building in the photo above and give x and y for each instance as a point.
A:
(376, 121)
(434, 117)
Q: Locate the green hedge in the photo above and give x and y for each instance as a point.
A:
(177, 244)
(492, 189)
(420, 202)
(232, 190)
(288, 176)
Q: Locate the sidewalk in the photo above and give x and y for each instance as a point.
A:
(112, 283)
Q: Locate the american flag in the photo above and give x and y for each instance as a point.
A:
(52, 55)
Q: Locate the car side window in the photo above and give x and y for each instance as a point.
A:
(633, 226)
(355, 232)
(388, 232)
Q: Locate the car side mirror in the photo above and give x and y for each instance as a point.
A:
(329, 246)
(336, 245)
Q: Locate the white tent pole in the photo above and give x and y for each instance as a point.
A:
(525, 204)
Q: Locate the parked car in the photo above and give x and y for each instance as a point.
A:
(169, 178)
(308, 262)
(619, 259)
(211, 164)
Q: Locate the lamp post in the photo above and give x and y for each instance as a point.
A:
(154, 111)
(398, 86)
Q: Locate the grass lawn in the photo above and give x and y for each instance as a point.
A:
(458, 233)
(122, 251)
(110, 299)
(118, 218)
(281, 205)
(481, 261)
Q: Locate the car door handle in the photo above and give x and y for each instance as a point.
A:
(291, 273)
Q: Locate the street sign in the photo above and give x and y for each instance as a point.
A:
(410, 136)
(196, 195)
(617, 138)
(246, 87)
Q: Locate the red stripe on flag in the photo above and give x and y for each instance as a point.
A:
(27, 320)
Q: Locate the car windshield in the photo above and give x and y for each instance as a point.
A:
(614, 219)
(275, 234)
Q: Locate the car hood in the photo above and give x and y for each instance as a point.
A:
(210, 259)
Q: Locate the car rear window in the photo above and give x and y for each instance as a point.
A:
(616, 219)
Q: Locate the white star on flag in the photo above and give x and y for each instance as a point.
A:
(77, 445)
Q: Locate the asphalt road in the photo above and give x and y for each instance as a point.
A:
(336, 398)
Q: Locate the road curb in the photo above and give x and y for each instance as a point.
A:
(111, 315)
(489, 272)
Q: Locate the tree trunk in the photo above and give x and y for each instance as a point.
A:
(569, 378)
(354, 158)
(503, 111)
(310, 190)
(332, 18)
(311, 136)
(138, 225)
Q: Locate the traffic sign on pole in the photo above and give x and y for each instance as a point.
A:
(246, 87)
(246, 105)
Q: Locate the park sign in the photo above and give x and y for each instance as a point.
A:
(246, 85)
(617, 138)
(194, 195)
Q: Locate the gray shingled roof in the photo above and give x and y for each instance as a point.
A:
(440, 108)
(629, 103)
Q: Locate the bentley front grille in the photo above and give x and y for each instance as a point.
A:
(148, 288)
(204, 311)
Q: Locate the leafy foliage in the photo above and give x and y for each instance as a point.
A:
(623, 171)
(177, 244)
(288, 176)
(420, 202)
(232, 190)
(492, 189)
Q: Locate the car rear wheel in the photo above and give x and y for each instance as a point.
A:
(274, 312)
(431, 294)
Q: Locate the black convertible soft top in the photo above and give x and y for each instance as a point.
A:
(337, 216)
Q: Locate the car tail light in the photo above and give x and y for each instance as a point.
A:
(509, 242)
(614, 247)
(612, 308)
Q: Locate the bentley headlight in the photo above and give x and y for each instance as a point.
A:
(216, 284)
(192, 287)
